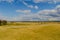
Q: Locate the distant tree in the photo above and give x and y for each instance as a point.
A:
(4, 22)
(0, 22)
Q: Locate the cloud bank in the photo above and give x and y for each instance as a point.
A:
(43, 15)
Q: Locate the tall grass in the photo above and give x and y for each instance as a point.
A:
(30, 32)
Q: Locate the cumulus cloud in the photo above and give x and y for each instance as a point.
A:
(43, 15)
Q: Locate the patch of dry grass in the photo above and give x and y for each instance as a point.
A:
(30, 32)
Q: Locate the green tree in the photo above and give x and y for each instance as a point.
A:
(4, 22)
(0, 22)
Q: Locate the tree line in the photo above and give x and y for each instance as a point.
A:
(3, 22)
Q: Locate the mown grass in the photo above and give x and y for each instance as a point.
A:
(30, 32)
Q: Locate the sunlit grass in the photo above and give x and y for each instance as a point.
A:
(30, 32)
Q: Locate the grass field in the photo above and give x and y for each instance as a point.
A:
(30, 32)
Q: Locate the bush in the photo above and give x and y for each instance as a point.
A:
(0, 22)
(4, 22)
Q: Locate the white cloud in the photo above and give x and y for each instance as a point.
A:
(25, 3)
(57, 0)
(58, 6)
(24, 11)
(2, 17)
(36, 7)
(37, 1)
(43, 15)
(54, 19)
(49, 1)
(30, 6)
(7, 1)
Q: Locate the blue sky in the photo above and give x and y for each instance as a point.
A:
(30, 10)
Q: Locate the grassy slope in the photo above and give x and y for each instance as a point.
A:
(31, 32)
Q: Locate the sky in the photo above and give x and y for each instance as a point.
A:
(30, 10)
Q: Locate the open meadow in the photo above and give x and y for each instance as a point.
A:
(30, 31)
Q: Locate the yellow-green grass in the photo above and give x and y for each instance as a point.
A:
(30, 32)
